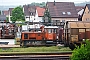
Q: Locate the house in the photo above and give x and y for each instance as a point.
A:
(29, 12)
(5, 12)
(86, 13)
(10, 13)
(2, 18)
(62, 11)
(39, 14)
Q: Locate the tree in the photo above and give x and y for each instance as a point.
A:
(82, 53)
(47, 15)
(17, 14)
(43, 4)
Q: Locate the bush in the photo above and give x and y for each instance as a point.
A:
(82, 53)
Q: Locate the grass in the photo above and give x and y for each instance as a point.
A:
(37, 49)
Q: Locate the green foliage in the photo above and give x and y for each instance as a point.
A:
(17, 14)
(37, 49)
(47, 14)
(43, 4)
(7, 19)
(82, 53)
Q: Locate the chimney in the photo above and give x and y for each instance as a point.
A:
(54, 2)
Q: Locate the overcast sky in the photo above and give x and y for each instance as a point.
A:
(23, 2)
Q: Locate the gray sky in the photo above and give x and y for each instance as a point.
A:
(23, 2)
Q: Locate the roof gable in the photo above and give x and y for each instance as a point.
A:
(62, 9)
(29, 9)
(88, 5)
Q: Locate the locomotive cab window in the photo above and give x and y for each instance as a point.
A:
(25, 36)
(55, 30)
(52, 30)
(49, 30)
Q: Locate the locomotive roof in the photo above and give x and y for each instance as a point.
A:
(25, 27)
(51, 27)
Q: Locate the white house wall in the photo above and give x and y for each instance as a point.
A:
(10, 17)
(81, 12)
(31, 19)
(40, 19)
(23, 9)
(37, 18)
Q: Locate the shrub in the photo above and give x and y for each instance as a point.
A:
(82, 52)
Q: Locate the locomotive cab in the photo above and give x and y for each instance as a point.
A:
(51, 34)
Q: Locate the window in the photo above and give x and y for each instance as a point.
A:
(87, 19)
(69, 13)
(31, 13)
(55, 30)
(63, 13)
(63, 20)
(49, 30)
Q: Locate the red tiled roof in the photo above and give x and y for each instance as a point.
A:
(40, 11)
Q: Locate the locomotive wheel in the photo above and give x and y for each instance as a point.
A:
(22, 44)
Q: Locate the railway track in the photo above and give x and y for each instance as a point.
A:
(36, 56)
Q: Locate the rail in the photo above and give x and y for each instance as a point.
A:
(34, 53)
(36, 56)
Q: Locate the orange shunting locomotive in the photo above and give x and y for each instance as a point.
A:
(44, 35)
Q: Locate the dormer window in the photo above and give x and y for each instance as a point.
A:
(31, 13)
(69, 13)
(63, 13)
